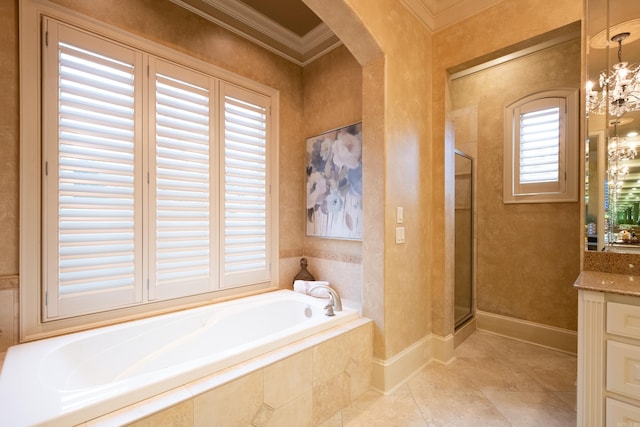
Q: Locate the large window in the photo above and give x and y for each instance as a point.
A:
(155, 181)
(541, 150)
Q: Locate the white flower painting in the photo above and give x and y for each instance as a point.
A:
(334, 184)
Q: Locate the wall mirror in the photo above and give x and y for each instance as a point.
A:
(612, 136)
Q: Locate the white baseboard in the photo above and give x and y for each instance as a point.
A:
(560, 339)
(387, 375)
(443, 348)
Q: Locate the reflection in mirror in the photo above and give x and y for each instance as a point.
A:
(612, 192)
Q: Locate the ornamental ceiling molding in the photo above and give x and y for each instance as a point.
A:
(246, 22)
(439, 14)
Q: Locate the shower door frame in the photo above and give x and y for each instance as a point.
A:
(470, 315)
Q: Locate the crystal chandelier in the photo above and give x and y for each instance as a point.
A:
(617, 173)
(620, 150)
(620, 88)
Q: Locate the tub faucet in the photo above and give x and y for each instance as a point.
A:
(335, 303)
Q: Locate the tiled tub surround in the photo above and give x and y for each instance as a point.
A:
(343, 271)
(8, 313)
(323, 365)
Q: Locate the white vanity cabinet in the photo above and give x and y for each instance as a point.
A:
(608, 359)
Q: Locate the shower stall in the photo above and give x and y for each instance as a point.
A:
(463, 298)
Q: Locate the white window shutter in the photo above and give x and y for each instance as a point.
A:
(246, 255)
(91, 192)
(155, 180)
(183, 258)
(540, 146)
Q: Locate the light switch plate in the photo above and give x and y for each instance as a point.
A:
(400, 215)
(399, 235)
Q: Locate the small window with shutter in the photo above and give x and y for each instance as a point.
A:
(541, 150)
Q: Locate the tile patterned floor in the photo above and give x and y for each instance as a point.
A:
(494, 381)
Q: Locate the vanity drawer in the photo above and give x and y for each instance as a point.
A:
(623, 319)
(622, 414)
(623, 369)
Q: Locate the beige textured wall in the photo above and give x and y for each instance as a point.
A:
(9, 174)
(396, 288)
(9, 138)
(527, 254)
(479, 35)
(332, 94)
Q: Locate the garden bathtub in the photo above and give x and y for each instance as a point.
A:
(73, 378)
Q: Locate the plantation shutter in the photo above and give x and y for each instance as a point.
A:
(540, 147)
(92, 174)
(246, 257)
(183, 186)
(155, 179)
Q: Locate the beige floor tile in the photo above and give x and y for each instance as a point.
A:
(568, 397)
(494, 381)
(335, 421)
(446, 398)
(514, 349)
(557, 374)
(532, 409)
(477, 345)
(375, 410)
(501, 374)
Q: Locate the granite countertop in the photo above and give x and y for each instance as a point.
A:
(598, 281)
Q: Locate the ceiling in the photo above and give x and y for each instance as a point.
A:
(293, 15)
(290, 29)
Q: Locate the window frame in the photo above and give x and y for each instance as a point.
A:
(566, 188)
(32, 325)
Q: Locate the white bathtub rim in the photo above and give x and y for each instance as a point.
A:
(154, 404)
(22, 400)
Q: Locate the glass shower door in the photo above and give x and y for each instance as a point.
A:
(463, 297)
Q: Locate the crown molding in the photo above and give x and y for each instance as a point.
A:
(246, 22)
(316, 37)
(439, 14)
(257, 21)
(423, 12)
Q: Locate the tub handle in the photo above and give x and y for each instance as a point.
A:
(329, 308)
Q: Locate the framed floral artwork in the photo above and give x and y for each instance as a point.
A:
(334, 184)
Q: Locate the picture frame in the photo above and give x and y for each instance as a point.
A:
(334, 183)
